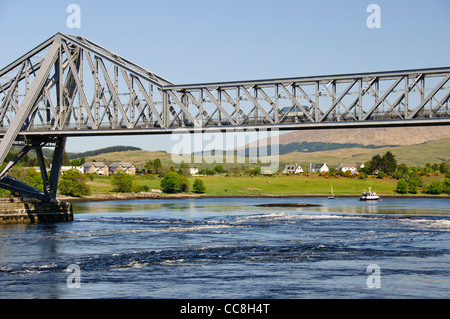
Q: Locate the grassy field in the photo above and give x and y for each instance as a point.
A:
(265, 185)
(286, 185)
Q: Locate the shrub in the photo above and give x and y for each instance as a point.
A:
(184, 183)
(171, 183)
(402, 186)
(73, 183)
(446, 186)
(219, 169)
(198, 186)
(33, 178)
(435, 188)
(122, 182)
(413, 185)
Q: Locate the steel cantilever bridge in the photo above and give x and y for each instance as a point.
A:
(70, 86)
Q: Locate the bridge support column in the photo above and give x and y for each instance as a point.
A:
(49, 192)
(56, 166)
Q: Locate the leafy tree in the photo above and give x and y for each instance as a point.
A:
(367, 169)
(386, 163)
(184, 183)
(389, 163)
(157, 166)
(198, 186)
(174, 183)
(122, 182)
(33, 178)
(446, 186)
(171, 183)
(413, 185)
(402, 186)
(434, 188)
(184, 169)
(149, 168)
(78, 162)
(377, 163)
(443, 168)
(413, 181)
(153, 167)
(73, 183)
(219, 169)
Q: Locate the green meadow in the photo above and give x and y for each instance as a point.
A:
(264, 185)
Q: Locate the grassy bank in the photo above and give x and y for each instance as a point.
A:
(264, 185)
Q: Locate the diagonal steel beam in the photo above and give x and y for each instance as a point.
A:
(432, 93)
(295, 101)
(12, 88)
(338, 100)
(257, 105)
(112, 90)
(74, 71)
(219, 107)
(391, 88)
(184, 109)
(30, 99)
(147, 99)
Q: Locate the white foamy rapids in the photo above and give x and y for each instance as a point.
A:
(438, 224)
(286, 216)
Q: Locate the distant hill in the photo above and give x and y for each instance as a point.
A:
(137, 157)
(411, 155)
(368, 136)
(309, 147)
(411, 145)
(105, 150)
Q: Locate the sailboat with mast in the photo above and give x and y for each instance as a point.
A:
(332, 193)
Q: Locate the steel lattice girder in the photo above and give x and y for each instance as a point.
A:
(88, 90)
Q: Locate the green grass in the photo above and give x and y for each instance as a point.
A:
(260, 184)
(288, 185)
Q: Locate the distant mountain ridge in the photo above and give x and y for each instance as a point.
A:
(105, 150)
(369, 136)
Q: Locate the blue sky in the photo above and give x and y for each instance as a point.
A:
(206, 41)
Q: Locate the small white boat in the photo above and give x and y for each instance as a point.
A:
(332, 193)
(369, 195)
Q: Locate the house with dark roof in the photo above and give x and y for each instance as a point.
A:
(318, 168)
(99, 168)
(292, 169)
(128, 168)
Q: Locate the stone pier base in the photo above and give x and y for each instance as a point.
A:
(15, 211)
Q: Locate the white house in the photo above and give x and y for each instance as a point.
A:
(193, 171)
(66, 168)
(318, 168)
(292, 169)
(352, 168)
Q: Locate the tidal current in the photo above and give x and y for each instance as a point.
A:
(233, 248)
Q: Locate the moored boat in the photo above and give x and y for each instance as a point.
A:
(369, 195)
(332, 193)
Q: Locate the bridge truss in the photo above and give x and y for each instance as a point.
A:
(70, 86)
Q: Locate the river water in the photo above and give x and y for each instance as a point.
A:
(232, 248)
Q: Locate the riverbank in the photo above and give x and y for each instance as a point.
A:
(112, 197)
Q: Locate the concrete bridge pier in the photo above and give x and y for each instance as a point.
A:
(15, 211)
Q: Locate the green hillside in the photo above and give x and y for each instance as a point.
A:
(411, 155)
